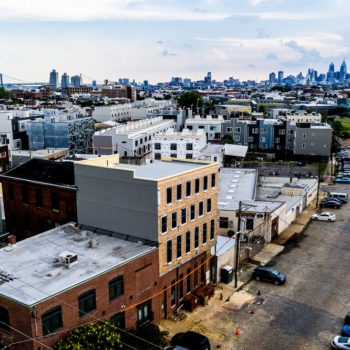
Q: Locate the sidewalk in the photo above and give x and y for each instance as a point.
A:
(227, 297)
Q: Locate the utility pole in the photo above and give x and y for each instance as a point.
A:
(238, 238)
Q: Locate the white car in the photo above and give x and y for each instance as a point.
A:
(340, 343)
(324, 217)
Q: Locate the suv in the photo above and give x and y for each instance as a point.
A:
(269, 274)
(343, 197)
(191, 341)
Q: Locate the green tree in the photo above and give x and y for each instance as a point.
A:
(167, 97)
(227, 138)
(189, 100)
(4, 93)
(93, 336)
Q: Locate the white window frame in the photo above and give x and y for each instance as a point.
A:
(163, 233)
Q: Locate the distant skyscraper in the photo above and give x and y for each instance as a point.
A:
(300, 77)
(207, 79)
(272, 78)
(94, 84)
(343, 71)
(1, 82)
(64, 80)
(54, 79)
(330, 73)
(77, 80)
(280, 77)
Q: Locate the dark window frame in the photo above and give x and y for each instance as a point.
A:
(208, 205)
(179, 192)
(169, 195)
(169, 251)
(178, 247)
(196, 237)
(183, 216)
(188, 189)
(212, 229)
(205, 183)
(174, 220)
(188, 242)
(213, 180)
(5, 318)
(197, 186)
(164, 224)
(116, 287)
(89, 297)
(52, 318)
(192, 212)
(205, 233)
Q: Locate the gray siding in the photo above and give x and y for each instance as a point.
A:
(115, 201)
(313, 141)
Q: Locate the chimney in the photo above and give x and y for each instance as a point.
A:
(11, 239)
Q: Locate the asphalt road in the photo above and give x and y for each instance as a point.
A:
(309, 309)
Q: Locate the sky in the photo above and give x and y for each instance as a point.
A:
(159, 39)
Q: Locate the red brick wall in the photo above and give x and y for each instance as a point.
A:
(165, 280)
(104, 308)
(40, 219)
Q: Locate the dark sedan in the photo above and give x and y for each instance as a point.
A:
(330, 203)
(269, 274)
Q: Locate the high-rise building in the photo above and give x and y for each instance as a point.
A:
(280, 77)
(54, 79)
(64, 80)
(331, 73)
(77, 80)
(207, 78)
(94, 84)
(272, 78)
(343, 71)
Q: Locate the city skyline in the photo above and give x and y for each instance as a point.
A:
(156, 40)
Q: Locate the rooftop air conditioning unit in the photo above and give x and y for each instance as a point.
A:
(67, 258)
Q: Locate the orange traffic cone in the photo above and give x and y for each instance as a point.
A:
(237, 331)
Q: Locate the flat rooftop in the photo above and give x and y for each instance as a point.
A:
(235, 184)
(47, 171)
(32, 263)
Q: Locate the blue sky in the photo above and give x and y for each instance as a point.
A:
(157, 39)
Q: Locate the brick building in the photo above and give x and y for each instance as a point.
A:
(38, 195)
(74, 275)
(172, 202)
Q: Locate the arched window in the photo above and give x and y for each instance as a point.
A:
(4, 319)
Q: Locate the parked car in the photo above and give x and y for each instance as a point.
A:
(346, 330)
(343, 180)
(340, 342)
(191, 341)
(330, 203)
(347, 319)
(269, 274)
(324, 217)
(333, 199)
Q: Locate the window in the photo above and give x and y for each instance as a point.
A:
(172, 293)
(212, 229)
(277, 140)
(54, 201)
(282, 132)
(303, 146)
(290, 140)
(141, 141)
(179, 192)
(164, 223)
(205, 183)
(52, 320)
(263, 131)
(188, 188)
(228, 129)
(262, 139)
(237, 138)
(116, 287)
(212, 128)
(4, 317)
(290, 132)
(178, 247)
(87, 302)
(304, 136)
(205, 231)
(11, 192)
(157, 146)
(249, 225)
(195, 275)
(136, 143)
(196, 186)
(223, 222)
(255, 131)
(209, 205)
(183, 216)
(169, 193)
(169, 251)
(118, 319)
(144, 312)
(250, 139)
(193, 212)
(39, 197)
(238, 130)
(189, 156)
(188, 280)
(189, 146)
(196, 237)
(173, 155)
(213, 180)
(157, 156)
(174, 220)
(173, 146)
(181, 287)
(188, 242)
(24, 195)
(200, 209)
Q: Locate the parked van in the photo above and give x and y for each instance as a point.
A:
(340, 196)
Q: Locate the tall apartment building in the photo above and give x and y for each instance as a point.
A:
(54, 79)
(171, 202)
(64, 81)
(184, 145)
(134, 138)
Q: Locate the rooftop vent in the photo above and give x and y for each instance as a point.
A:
(67, 258)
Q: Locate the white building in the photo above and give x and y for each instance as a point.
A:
(185, 144)
(210, 124)
(133, 138)
(304, 117)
